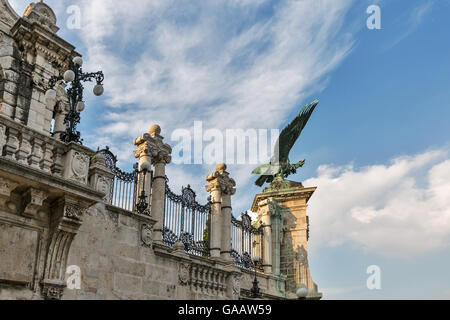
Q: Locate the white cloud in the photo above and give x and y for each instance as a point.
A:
(401, 209)
(220, 62)
(415, 18)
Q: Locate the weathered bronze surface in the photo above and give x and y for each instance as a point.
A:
(279, 167)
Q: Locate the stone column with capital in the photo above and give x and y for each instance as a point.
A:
(270, 218)
(152, 149)
(221, 187)
(288, 201)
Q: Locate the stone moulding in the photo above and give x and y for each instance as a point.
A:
(7, 14)
(66, 220)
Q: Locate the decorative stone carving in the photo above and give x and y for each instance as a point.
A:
(6, 187)
(74, 212)
(80, 166)
(236, 289)
(7, 14)
(42, 14)
(66, 220)
(53, 290)
(147, 235)
(151, 145)
(221, 180)
(100, 176)
(103, 185)
(183, 273)
(33, 201)
(76, 166)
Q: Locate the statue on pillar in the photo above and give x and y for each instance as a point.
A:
(279, 166)
(287, 202)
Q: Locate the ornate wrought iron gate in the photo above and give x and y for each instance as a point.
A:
(246, 241)
(124, 187)
(186, 220)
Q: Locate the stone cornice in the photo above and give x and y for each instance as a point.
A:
(284, 195)
(7, 14)
(32, 36)
(26, 175)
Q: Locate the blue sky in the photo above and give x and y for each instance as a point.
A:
(377, 146)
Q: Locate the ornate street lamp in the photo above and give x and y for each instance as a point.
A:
(255, 288)
(142, 205)
(75, 76)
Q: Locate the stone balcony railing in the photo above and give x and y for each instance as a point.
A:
(31, 148)
(72, 162)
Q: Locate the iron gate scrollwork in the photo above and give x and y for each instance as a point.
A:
(187, 221)
(124, 187)
(246, 241)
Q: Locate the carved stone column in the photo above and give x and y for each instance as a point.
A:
(60, 109)
(151, 148)
(221, 187)
(269, 215)
(215, 232)
(100, 177)
(65, 222)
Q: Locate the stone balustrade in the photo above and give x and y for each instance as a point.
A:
(72, 162)
(30, 147)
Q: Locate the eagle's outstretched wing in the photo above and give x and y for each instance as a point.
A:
(292, 132)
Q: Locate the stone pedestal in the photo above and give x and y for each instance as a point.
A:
(221, 187)
(292, 198)
(151, 148)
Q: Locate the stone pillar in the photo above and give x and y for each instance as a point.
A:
(289, 199)
(61, 108)
(151, 148)
(270, 218)
(264, 219)
(100, 177)
(221, 187)
(215, 222)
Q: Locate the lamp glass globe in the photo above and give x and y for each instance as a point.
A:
(98, 90)
(78, 61)
(80, 106)
(69, 76)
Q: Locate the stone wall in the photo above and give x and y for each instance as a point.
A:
(116, 263)
(30, 54)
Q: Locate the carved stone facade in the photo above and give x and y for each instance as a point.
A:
(286, 206)
(55, 198)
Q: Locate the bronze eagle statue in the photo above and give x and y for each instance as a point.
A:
(279, 166)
